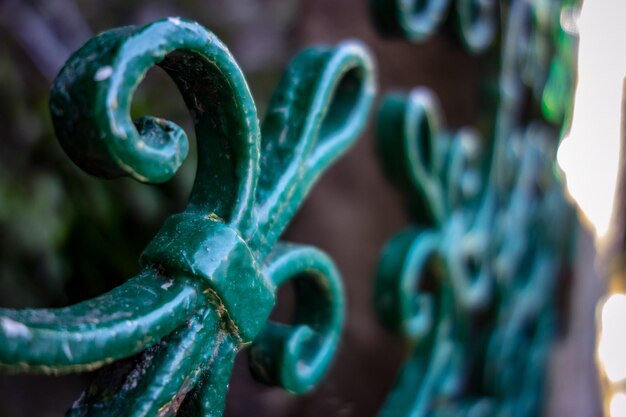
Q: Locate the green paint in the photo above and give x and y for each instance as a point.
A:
(209, 278)
(472, 285)
(418, 20)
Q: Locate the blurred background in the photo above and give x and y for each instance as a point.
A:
(65, 236)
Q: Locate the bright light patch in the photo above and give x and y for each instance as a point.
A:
(590, 154)
(618, 405)
(612, 342)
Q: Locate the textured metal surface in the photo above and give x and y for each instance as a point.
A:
(473, 284)
(209, 277)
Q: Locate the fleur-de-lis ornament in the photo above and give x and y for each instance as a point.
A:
(473, 284)
(208, 279)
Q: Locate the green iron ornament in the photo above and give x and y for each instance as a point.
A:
(417, 20)
(473, 284)
(209, 278)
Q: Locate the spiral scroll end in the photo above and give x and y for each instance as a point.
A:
(160, 140)
(90, 109)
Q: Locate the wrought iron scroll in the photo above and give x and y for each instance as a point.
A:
(208, 279)
(472, 285)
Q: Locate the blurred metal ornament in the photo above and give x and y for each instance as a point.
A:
(209, 278)
(473, 284)
(417, 20)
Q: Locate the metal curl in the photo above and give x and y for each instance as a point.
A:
(477, 21)
(413, 159)
(335, 87)
(418, 20)
(297, 355)
(91, 99)
(408, 275)
(415, 19)
(415, 298)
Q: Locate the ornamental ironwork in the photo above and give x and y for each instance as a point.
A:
(209, 278)
(472, 284)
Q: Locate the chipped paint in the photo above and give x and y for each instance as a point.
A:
(14, 328)
(103, 73)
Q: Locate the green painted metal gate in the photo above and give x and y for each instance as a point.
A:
(470, 284)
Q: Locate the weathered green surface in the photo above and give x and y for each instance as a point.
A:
(209, 277)
(472, 285)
